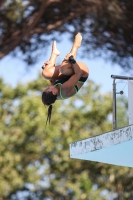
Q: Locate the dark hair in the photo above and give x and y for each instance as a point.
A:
(48, 98)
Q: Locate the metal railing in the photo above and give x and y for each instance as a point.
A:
(114, 96)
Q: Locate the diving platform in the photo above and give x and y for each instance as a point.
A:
(114, 147)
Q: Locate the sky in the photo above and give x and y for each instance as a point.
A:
(13, 70)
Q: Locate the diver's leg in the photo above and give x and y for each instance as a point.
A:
(65, 67)
(54, 53)
(75, 46)
(49, 69)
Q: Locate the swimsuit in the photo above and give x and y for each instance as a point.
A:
(63, 80)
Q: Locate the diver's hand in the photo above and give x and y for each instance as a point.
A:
(46, 63)
(72, 60)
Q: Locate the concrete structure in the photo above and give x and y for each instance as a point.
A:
(114, 147)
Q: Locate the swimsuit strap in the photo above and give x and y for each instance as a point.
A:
(76, 88)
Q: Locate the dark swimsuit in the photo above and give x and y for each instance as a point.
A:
(63, 80)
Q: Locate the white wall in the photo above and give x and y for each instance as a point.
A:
(130, 101)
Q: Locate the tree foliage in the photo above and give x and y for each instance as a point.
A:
(35, 161)
(106, 27)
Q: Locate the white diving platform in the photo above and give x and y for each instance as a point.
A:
(114, 147)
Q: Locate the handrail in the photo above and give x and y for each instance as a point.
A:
(122, 77)
(114, 96)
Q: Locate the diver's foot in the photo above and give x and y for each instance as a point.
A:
(54, 49)
(77, 40)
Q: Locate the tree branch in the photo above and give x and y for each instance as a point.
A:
(30, 29)
(16, 37)
(1, 3)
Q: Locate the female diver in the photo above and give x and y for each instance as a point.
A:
(66, 79)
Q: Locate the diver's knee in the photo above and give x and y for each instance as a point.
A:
(45, 74)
